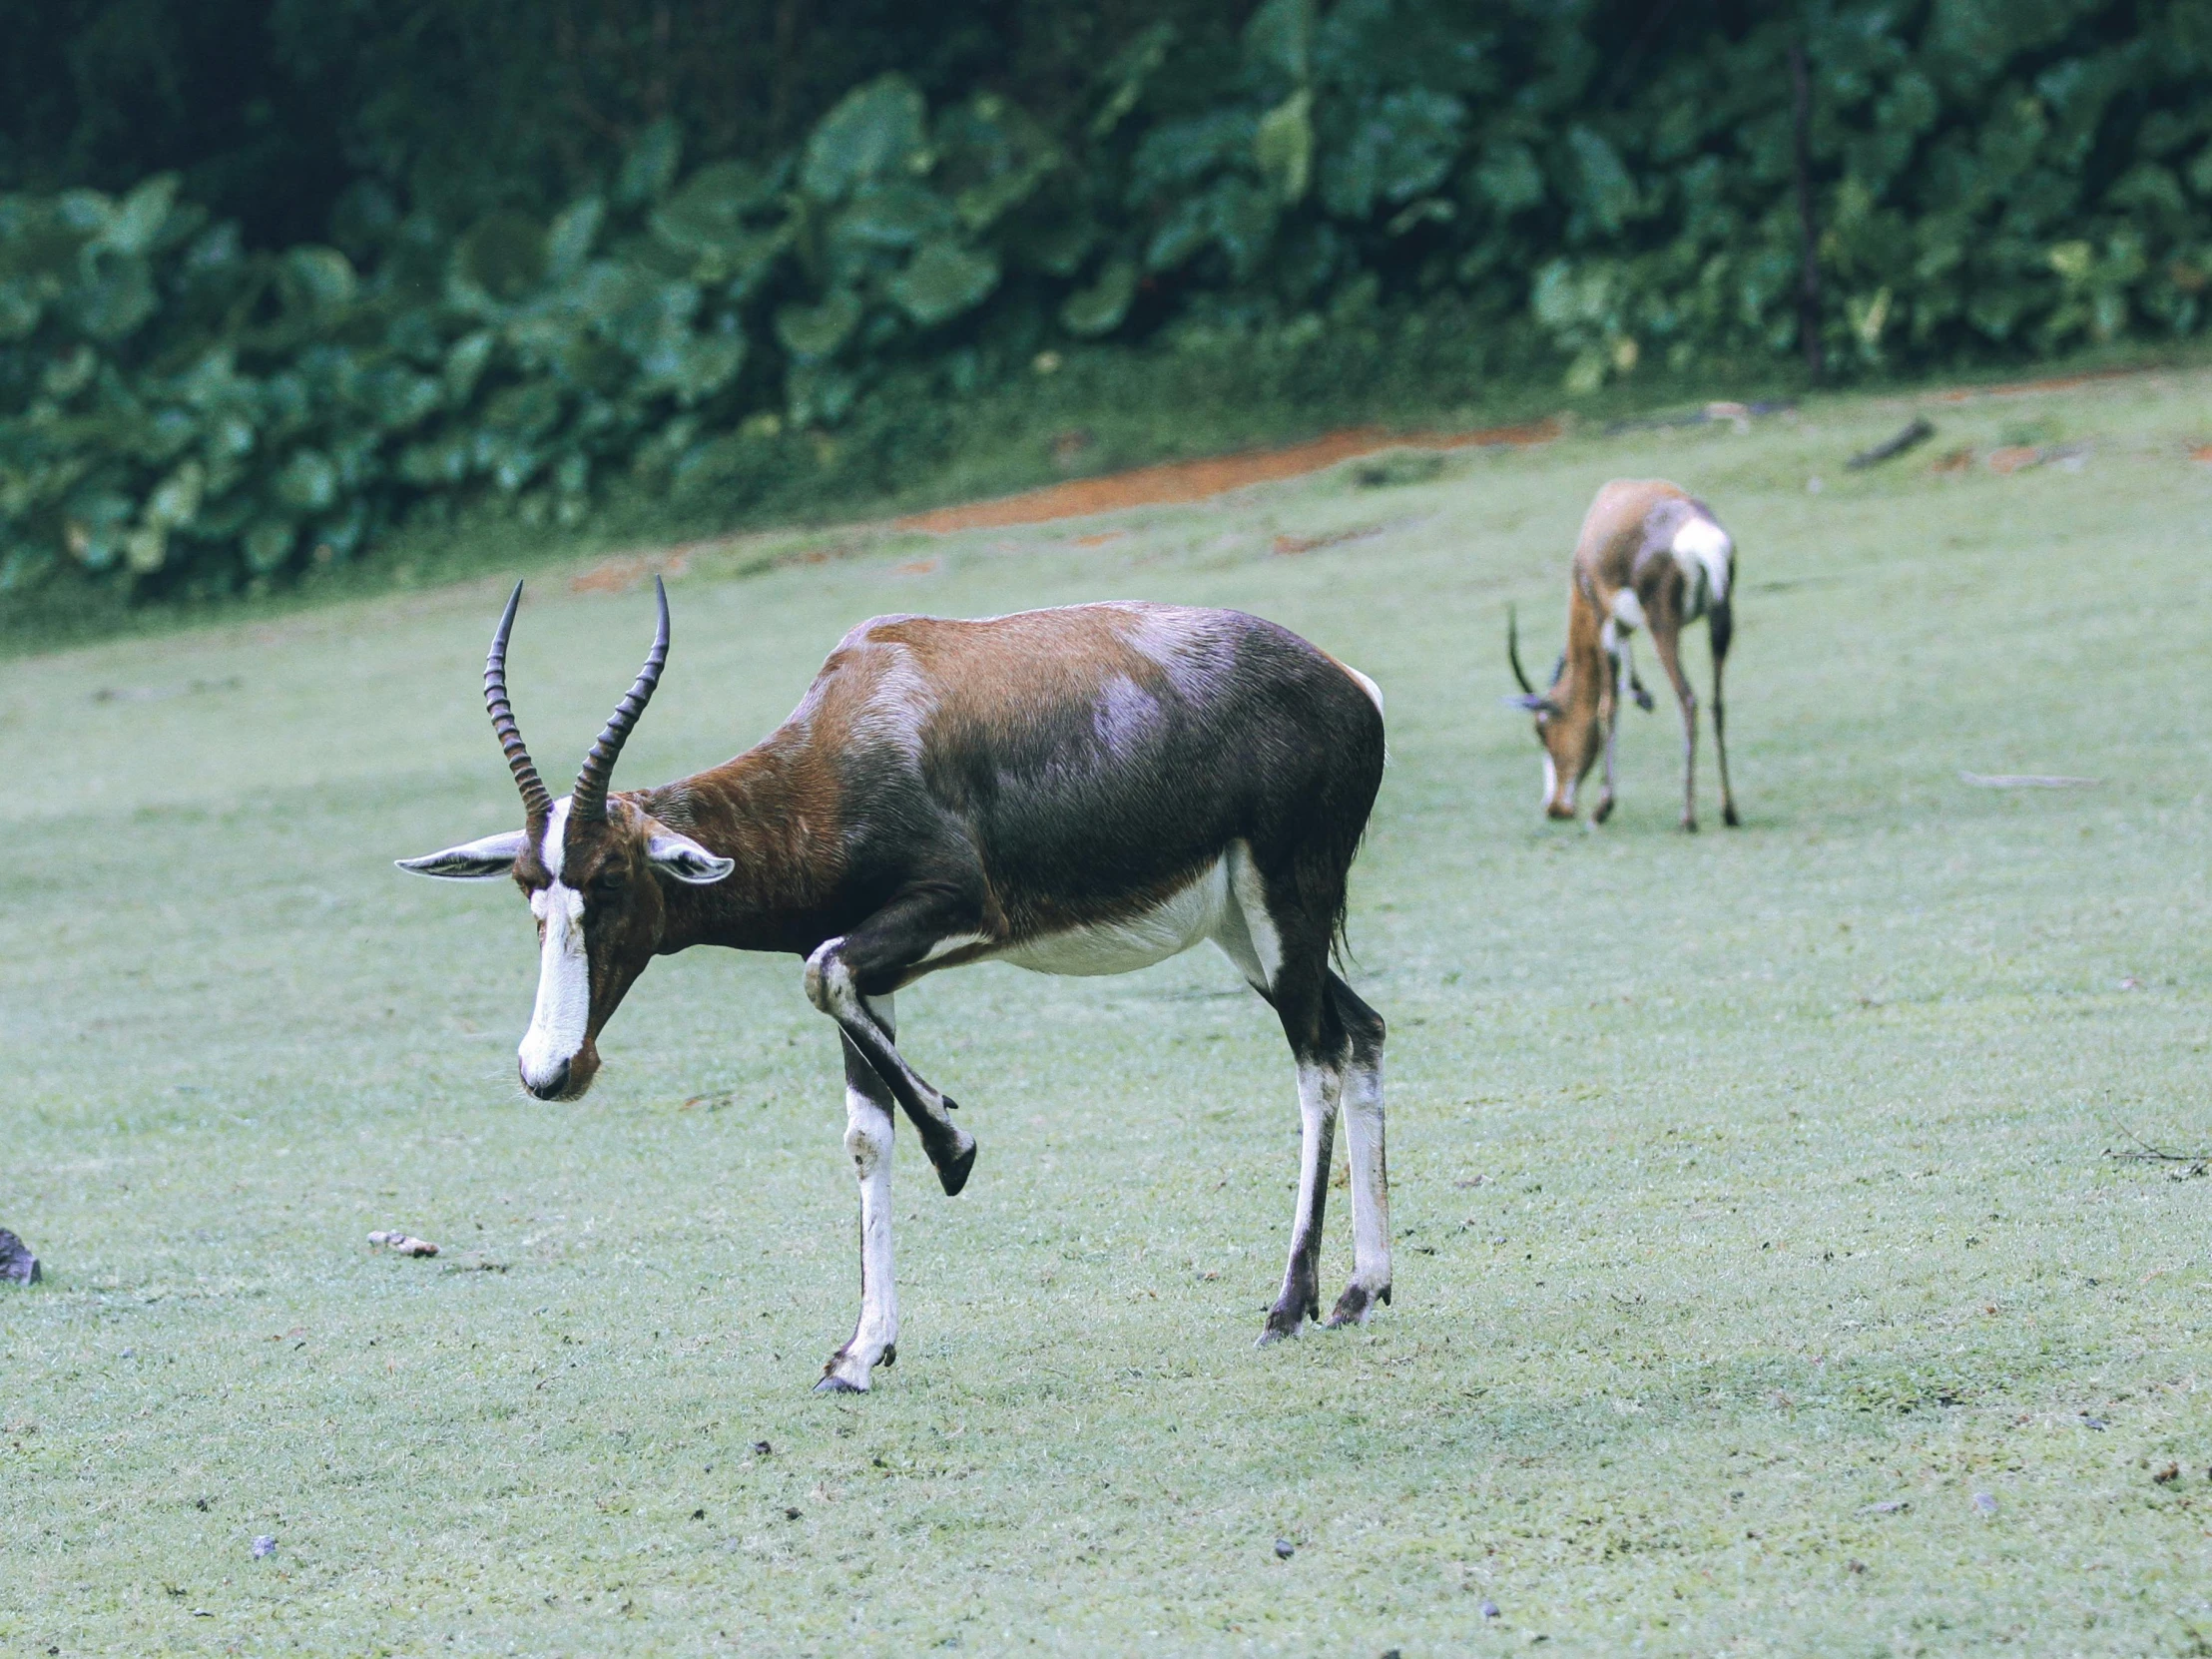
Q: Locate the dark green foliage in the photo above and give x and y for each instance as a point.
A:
(1582, 185)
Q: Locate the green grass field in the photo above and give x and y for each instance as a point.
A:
(1798, 1308)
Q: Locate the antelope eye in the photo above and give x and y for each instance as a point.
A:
(609, 880)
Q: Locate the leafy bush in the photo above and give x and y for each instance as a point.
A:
(184, 413)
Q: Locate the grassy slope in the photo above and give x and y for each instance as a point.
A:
(1793, 1200)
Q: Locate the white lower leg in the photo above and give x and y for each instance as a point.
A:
(1370, 1186)
(868, 1142)
(868, 1139)
(1318, 1088)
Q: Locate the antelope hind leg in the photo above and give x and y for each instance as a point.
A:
(1361, 1096)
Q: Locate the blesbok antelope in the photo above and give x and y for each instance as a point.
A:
(1650, 556)
(1082, 791)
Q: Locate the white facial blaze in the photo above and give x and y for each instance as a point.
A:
(563, 1011)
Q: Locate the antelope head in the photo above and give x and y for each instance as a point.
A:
(1569, 732)
(593, 869)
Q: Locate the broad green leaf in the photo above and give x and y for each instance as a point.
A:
(1397, 148)
(694, 366)
(872, 131)
(20, 305)
(137, 218)
(812, 333)
(175, 502)
(1057, 248)
(710, 211)
(1510, 178)
(990, 157)
(897, 213)
(1128, 72)
(649, 164)
(114, 294)
(1283, 147)
(1099, 308)
(568, 241)
(269, 543)
(943, 281)
(1234, 214)
(307, 482)
(525, 411)
(504, 253)
(321, 278)
(1608, 194)
(1279, 37)
(819, 395)
(144, 549)
(465, 363)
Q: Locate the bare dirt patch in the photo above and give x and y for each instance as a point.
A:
(1174, 482)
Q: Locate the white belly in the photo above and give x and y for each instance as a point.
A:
(1171, 928)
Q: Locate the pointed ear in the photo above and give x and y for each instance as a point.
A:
(686, 860)
(483, 860)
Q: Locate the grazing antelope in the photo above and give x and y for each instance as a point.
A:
(1650, 555)
(1082, 791)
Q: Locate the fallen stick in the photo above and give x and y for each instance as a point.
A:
(1910, 437)
(2145, 1153)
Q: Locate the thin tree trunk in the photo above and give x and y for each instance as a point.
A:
(1809, 283)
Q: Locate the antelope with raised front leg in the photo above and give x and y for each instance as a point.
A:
(1082, 791)
(1650, 555)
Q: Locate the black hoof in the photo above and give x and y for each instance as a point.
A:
(954, 1172)
(1355, 1306)
(1729, 818)
(838, 1386)
(1604, 812)
(1689, 827)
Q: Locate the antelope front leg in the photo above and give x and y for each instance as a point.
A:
(1666, 643)
(1608, 713)
(1316, 1110)
(832, 985)
(868, 1127)
(1371, 1173)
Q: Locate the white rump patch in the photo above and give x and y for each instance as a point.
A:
(1702, 549)
(1373, 691)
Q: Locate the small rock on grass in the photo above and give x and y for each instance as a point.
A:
(404, 1244)
(1284, 1550)
(265, 1545)
(16, 1261)
(1985, 1503)
(1489, 1609)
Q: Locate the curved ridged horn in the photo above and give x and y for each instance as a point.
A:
(1512, 649)
(589, 798)
(535, 801)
